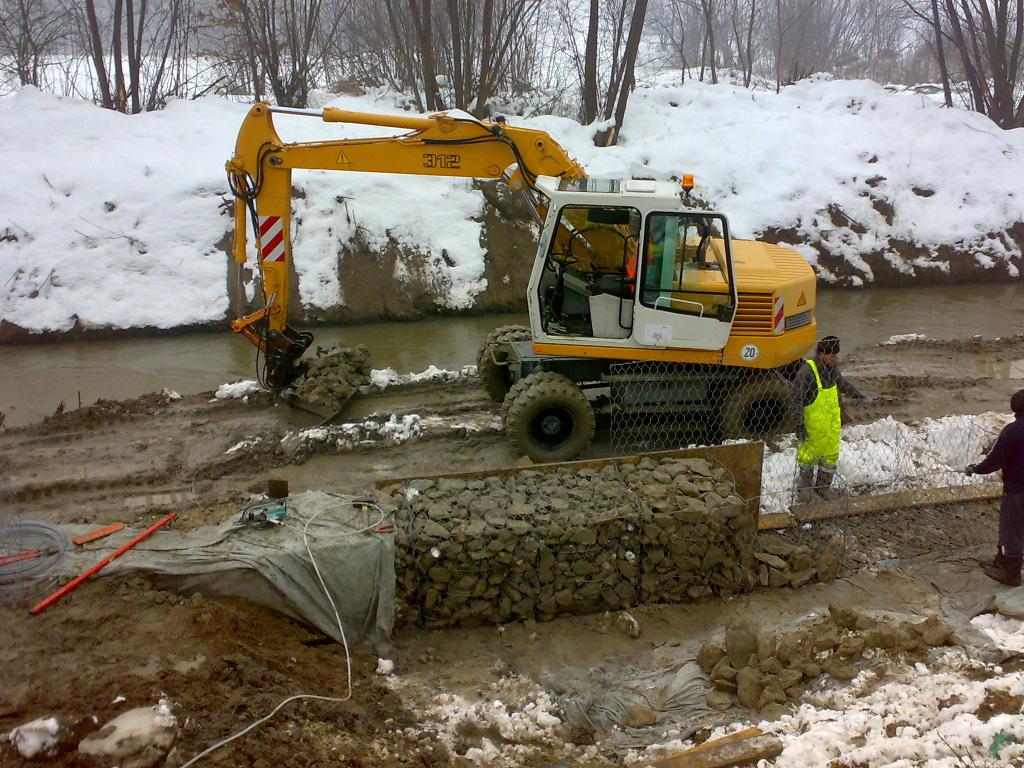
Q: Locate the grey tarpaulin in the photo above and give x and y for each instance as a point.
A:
(270, 566)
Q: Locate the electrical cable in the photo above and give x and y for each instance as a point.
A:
(343, 501)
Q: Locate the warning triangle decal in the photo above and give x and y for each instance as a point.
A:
(343, 159)
(803, 299)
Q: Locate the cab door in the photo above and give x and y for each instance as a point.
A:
(686, 291)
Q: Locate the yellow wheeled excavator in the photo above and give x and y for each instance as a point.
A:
(626, 271)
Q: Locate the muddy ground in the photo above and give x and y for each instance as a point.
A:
(224, 662)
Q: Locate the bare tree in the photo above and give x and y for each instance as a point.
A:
(30, 33)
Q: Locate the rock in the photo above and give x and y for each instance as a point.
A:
(810, 670)
(584, 536)
(800, 559)
(771, 694)
(138, 738)
(776, 545)
(799, 578)
(850, 647)
(770, 666)
(719, 701)
(740, 641)
(430, 529)
(723, 670)
(772, 711)
(842, 617)
(748, 687)
(777, 578)
(826, 639)
(767, 642)
(789, 677)
(840, 671)
(828, 567)
(37, 739)
(638, 716)
(771, 560)
(933, 631)
(709, 655)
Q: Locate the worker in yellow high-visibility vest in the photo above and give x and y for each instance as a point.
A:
(818, 418)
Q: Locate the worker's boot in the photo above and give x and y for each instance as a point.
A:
(804, 483)
(1008, 574)
(826, 480)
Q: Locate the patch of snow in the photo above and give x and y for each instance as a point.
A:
(903, 338)
(237, 390)
(385, 667)
(244, 445)
(169, 394)
(382, 378)
(37, 738)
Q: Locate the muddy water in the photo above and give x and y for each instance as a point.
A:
(37, 377)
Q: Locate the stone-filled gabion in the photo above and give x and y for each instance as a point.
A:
(697, 536)
(537, 544)
(332, 376)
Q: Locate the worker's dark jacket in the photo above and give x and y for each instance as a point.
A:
(1008, 455)
(805, 388)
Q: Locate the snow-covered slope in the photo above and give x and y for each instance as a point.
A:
(115, 221)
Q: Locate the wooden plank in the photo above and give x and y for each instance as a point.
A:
(728, 751)
(882, 502)
(746, 733)
(98, 533)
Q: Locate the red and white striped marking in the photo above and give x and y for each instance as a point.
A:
(779, 316)
(271, 238)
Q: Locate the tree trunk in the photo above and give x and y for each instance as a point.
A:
(96, 44)
(590, 67)
(483, 92)
(636, 27)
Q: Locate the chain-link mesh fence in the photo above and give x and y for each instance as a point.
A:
(661, 406)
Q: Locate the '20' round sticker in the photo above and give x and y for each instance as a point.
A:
(749, 352)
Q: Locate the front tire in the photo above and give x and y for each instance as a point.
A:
(493, 375)
(550, 418)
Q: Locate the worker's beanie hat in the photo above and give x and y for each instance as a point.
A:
(829, 345)
(1017, 401)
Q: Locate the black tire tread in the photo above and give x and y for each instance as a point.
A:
(493, 378)
(538, 386)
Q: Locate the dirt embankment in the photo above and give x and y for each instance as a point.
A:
(371, 291)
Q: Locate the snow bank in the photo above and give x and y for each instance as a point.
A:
(888, 455)
(118, 223)
(382, 378)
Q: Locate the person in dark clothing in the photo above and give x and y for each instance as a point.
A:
(815, 411)
(1008, 455)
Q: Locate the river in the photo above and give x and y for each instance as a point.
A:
(39, 376)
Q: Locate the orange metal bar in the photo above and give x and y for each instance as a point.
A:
(75, 582)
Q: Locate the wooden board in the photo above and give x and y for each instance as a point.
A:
(745, 747)
(98, 533)
(882, 502)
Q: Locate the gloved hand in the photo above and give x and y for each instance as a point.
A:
(970, 470)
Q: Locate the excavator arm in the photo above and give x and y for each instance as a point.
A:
(260, 172)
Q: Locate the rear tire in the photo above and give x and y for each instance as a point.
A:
(495, 377)
(756, 409)
(550, 419)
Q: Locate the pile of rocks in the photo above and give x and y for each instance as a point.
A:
(538, 544)
(332, 376)
(763, 668)
(697, 536)
(780, 563)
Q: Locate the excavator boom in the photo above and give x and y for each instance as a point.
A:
(260, 170)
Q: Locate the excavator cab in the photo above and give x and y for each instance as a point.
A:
(625, 263)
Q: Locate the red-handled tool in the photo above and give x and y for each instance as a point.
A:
(42, 606)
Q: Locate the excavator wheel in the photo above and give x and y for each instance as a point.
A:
(550, 419)
(494, 376)
(757, 408)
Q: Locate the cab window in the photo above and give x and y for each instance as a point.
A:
(687, 268)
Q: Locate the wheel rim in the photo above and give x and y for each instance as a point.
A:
(552, 427)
